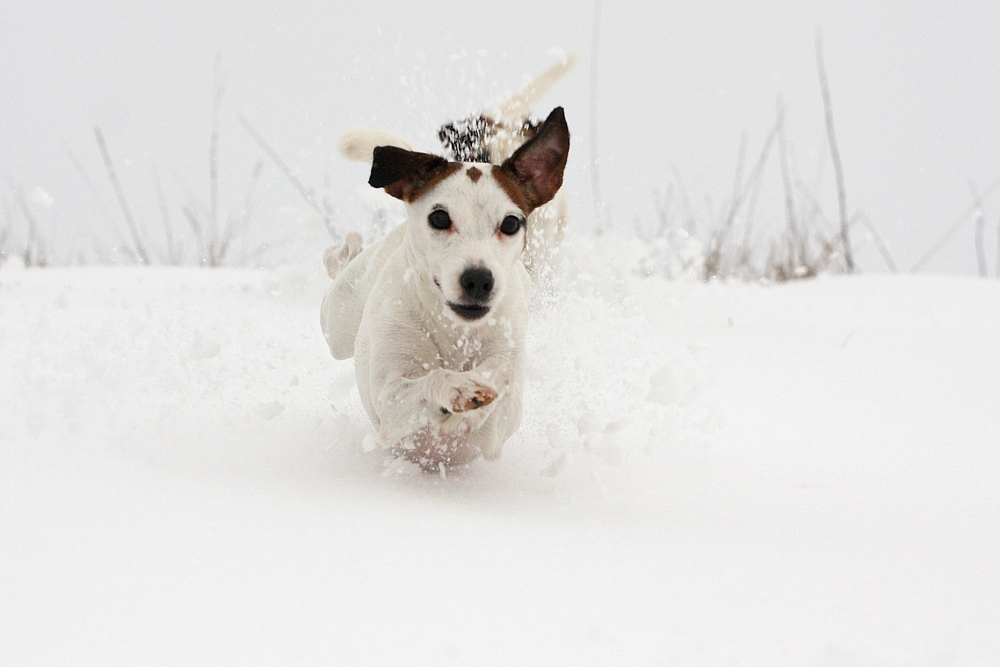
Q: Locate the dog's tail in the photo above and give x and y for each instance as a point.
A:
(359, 144)
(517, 109)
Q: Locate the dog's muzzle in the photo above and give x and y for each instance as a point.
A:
(477, 287)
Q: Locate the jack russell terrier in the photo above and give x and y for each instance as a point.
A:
(435, 313)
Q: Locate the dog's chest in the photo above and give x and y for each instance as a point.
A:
(464, 349)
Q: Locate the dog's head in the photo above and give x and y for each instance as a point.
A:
(466, 220)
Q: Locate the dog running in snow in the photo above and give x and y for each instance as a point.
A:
(435, 313)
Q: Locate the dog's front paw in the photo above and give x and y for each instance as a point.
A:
(464, 401)
(472, 397)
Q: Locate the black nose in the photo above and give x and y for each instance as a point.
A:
(477, 283)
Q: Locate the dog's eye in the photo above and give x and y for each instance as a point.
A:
(439, 219)
(511, 225)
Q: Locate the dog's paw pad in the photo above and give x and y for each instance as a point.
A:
(470, 400)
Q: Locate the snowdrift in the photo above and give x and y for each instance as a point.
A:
(803, 474)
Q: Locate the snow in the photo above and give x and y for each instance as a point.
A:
(803, 474)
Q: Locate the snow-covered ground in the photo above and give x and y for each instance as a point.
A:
(806, 474)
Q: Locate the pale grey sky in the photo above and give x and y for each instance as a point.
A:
(915, 85)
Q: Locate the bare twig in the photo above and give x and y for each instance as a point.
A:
(213, 152)
(29, 219)
(600, 212)
(734, 202)
(663, 207)
(690, 222)
(984, 196)
(877, 238)
(816, 209)
(8, 229)
(308, 194)
(806, 250)
(834, 153)
(192, 196)
(716, 249)
(95, 193)
(980, 230)
(139, 247)
(238, 223)
(174, 250)
(327, 185)
(195, 212)
(4, 236)
(199, 235)
(714, 256)
(786, 180)
(34, 247)
(752, 208)
(758, 169)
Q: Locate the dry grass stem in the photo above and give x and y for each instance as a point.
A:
(308, 194)
(954, 227)
(834, 153)
(980, 217)
(600, 209)
(138, 246)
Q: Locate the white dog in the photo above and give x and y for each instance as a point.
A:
(435, 313)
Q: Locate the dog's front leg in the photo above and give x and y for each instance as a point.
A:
(496, 428)
(448, 401)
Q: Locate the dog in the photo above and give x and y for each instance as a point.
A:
(435, 313)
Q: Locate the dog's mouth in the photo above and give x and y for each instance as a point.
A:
(469, 312)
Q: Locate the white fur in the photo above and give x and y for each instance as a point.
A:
(415, 359)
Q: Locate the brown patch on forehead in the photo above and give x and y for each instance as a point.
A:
(473, 173)
(514, 189)
(418, 187)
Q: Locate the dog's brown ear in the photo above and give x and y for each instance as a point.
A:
(535, 169)
(407, 174)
